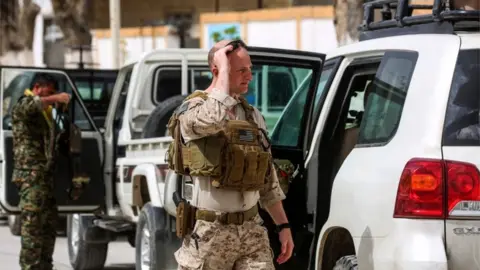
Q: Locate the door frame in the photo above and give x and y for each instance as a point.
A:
(94, 134)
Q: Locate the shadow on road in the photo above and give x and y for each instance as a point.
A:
(126, 266)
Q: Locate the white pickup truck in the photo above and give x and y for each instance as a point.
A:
(344, 214)
(123, 179)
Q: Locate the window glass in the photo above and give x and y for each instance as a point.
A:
(326, 73)
(272, 87)
(287, 130)
(386, 96)
(462, 125)
(123, 98)
(168, 81)
(202, 78)
(89, 91)
(358, 86)
(17, 81)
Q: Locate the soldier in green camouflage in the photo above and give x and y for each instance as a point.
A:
(32, 126)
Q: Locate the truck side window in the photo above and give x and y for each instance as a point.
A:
(168, 81)
(18, 80)
(122, 100)
(386, 96)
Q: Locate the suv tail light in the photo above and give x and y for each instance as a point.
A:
(431, 188)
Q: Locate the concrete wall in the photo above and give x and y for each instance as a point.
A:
(307, 28)
(137, 13)
(133, 43)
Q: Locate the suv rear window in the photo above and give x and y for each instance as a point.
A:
(386, 96)
(462, 125)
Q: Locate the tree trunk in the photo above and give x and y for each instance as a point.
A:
(71, 17)
(348, 17)
(17, 26)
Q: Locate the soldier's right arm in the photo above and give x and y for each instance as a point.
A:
(200, 118)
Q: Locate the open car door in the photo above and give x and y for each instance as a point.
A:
(13, 82)
(288, 89)
(284, 87)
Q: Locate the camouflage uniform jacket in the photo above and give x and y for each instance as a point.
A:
(202, 118)
(31, 134)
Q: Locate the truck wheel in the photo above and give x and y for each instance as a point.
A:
(156, 125)
(15, 224)
(155, 241)
(84, 255)
(346, 263)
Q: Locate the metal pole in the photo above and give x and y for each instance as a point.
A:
(115, 32)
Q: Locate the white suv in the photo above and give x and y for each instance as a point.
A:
(400, 187)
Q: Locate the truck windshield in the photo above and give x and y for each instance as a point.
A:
(462, 125)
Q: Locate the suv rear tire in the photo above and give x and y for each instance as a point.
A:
(346, 263)
(156, 125)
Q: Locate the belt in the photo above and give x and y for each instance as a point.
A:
(236, 218)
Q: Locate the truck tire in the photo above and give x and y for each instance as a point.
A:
(156, 125)
(346, 263)
(84, 255)
(15, 224)
(155, 239)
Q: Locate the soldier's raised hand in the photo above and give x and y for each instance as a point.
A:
(220, 59)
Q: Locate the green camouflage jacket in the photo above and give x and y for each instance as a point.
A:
(31, 134)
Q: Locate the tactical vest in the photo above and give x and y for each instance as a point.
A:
(234, 159)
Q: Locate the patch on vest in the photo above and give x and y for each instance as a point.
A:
(246, 135)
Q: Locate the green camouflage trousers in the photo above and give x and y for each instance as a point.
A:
(38, 217)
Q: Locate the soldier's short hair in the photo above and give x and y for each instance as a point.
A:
(235, 43)
(211, 53)
(45, 79)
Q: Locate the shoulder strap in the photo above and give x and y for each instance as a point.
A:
(201, 94)
(247, 108)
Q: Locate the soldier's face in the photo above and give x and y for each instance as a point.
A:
(240, 71)
(44, 90)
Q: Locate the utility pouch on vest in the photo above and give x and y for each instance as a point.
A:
(235, 158)
(185, 221)
(204, 157)
(174, 153)
(247, 162)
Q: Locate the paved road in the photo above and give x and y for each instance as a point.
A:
(121, 255)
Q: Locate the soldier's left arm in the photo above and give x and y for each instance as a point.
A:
(272, 195)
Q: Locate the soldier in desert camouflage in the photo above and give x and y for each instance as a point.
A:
(227, 231)
(31, 124)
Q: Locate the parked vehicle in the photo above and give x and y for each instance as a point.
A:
(95, 88)
(382, 134)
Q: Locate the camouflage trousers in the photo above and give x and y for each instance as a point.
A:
(38, 217)
(215, 246)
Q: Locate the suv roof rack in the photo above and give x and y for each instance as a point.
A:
(442, 20)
